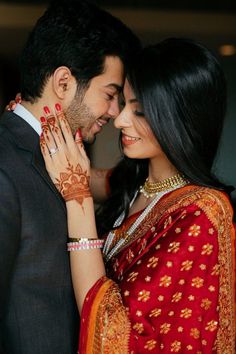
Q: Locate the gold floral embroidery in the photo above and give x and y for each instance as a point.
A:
(144, 296)
(126, 293)
(189, 347)
(138, 327)
(112, 326)
(148, 278)
(186, 313)
(180, 329)
(176, 297)
(139, 313)
(173, 247)
(167, 222)
(130, 256)
(197, 213)
(171, 313)
(211, 231)
(194, 230)
(186, 265)
(191, 298)
(178, 230)
(219, 212)
(211, 326)
(152, 262)
(132, 276)
(202, 266)
(191, 248)
(197, 282)
(160, 298)
(216, 270)
(155, 312)
(206, 304)
(169, 264)
(150, 344)
(195, 333)
(165, 281)
(175, 346)
(207, 249)
(165, 328)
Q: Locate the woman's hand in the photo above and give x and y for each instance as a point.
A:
(65, 158)
(12, 104)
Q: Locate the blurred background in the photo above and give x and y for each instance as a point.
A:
(212, 22)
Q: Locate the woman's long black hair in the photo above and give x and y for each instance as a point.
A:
(182, 90)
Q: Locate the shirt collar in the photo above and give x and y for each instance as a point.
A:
(22, 112)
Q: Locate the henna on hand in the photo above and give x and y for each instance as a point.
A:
(74, 184)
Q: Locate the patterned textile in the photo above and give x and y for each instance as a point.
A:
(172, 288)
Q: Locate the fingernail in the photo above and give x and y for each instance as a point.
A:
(46, 110)
(58, 107)
(43, 119)
(79, 134)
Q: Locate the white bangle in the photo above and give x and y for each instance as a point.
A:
(84, 244)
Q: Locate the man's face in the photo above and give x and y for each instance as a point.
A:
(91, 110)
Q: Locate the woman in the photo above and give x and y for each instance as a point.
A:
(164, 281)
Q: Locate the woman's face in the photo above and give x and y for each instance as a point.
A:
(137, 138)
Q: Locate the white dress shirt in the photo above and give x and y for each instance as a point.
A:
(22, 112)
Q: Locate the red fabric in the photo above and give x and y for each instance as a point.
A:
(169, 279)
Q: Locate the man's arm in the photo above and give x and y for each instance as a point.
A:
(9, 242)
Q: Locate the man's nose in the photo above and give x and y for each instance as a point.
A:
(114, 109)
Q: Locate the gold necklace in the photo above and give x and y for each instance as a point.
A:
(150, 189)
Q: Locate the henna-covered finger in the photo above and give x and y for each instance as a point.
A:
(48, 137)
(53, 123)
(65, 128)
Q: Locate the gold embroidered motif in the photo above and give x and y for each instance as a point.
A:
(186, 265)
(138, 327)
(175, 346)
(176, 297)
(195, 333)
(173, 247)
(186, 313)
(132, 277)
(211, 326)
(194, 230)
(165, 328)
(144, 295)
(165, 281)
(155, 312)
(206, 304)
(207, 249)
(152, 262)
(150, 344)
(197, 282)
(112, 324)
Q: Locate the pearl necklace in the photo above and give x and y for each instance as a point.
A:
(108, 250)
(150, 189)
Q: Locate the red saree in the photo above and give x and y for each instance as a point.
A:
(172, 289)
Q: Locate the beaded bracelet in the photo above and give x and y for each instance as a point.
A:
(85, 244)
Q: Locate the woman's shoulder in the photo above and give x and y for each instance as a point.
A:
(214, 203)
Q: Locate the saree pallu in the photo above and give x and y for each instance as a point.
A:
(172, 288)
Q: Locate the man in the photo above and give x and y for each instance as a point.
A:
(74, 56)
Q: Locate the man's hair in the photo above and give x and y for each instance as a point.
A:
(76, 34)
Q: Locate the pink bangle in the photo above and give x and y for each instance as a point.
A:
(85, 244)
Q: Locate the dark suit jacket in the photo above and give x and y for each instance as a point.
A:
(38, 314)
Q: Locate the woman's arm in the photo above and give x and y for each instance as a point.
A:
(99, 184)
(69, 168)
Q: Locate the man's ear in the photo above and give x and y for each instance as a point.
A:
(63, 82)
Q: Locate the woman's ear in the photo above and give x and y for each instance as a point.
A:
(63, 82)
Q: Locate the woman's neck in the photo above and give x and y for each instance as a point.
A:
(160, 169)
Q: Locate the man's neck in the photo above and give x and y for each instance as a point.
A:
(36, 109)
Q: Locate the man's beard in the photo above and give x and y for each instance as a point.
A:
(80, 116)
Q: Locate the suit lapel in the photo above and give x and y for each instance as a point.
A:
(26, 138)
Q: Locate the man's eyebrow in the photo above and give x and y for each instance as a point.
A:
(115, 86)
